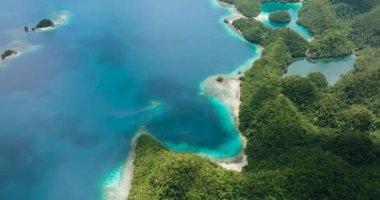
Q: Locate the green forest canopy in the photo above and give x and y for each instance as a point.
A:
(280, 17)
(306, 139)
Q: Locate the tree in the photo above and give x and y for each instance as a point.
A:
(357, 149)
(8, 53)
(319, 80)
(301, 91)
(277, 128)
(327, 110)
(45, 23)
(280, 17)
(357, 118)
(253, 31)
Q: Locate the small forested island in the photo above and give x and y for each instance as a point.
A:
(219, 79)
(280, 17)
(45, 23)
(305, 138)
(8, 53)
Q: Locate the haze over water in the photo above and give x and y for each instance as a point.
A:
(70, 107)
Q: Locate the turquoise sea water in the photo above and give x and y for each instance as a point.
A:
(69, 108)
(292, 9)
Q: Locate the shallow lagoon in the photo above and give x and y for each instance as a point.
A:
(332, 68)
(292, 9)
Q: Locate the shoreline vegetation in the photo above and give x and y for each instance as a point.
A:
(121, 188)
(20, 47)
(44, 24)
(305, 139)
(58, 20)
(8, 53)
(331, 33)
(329, 41)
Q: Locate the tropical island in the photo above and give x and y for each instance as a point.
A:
(8, 53)
(280, 17)
(305, 139)
(45, 23)
(219, 79)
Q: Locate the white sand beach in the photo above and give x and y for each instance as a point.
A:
(120, 190)
(228, 92)
(21, 47)
(59, 19)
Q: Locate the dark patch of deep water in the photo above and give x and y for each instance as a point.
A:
(70, 107)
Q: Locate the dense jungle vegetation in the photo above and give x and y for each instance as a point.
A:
(280, 17)
(306, 139)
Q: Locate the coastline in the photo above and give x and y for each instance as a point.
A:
(61, 18)
(20, 47)
(123, 185)
(227, 92)
(261, 17)
(231, 18)
(233, 7)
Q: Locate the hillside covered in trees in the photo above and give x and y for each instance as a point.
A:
(306, 139)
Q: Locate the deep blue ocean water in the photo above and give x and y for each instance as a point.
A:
(70, 107)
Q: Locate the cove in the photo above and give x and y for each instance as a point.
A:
(331, 68)
(69, 109)
(292, 8)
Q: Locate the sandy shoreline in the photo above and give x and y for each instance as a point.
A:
(227, 92)
(237, 14)
(121, 189)
(20, 47)
(261, 17)
(59, 19)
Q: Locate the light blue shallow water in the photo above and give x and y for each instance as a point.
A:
(293, 9)
(69, 109)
